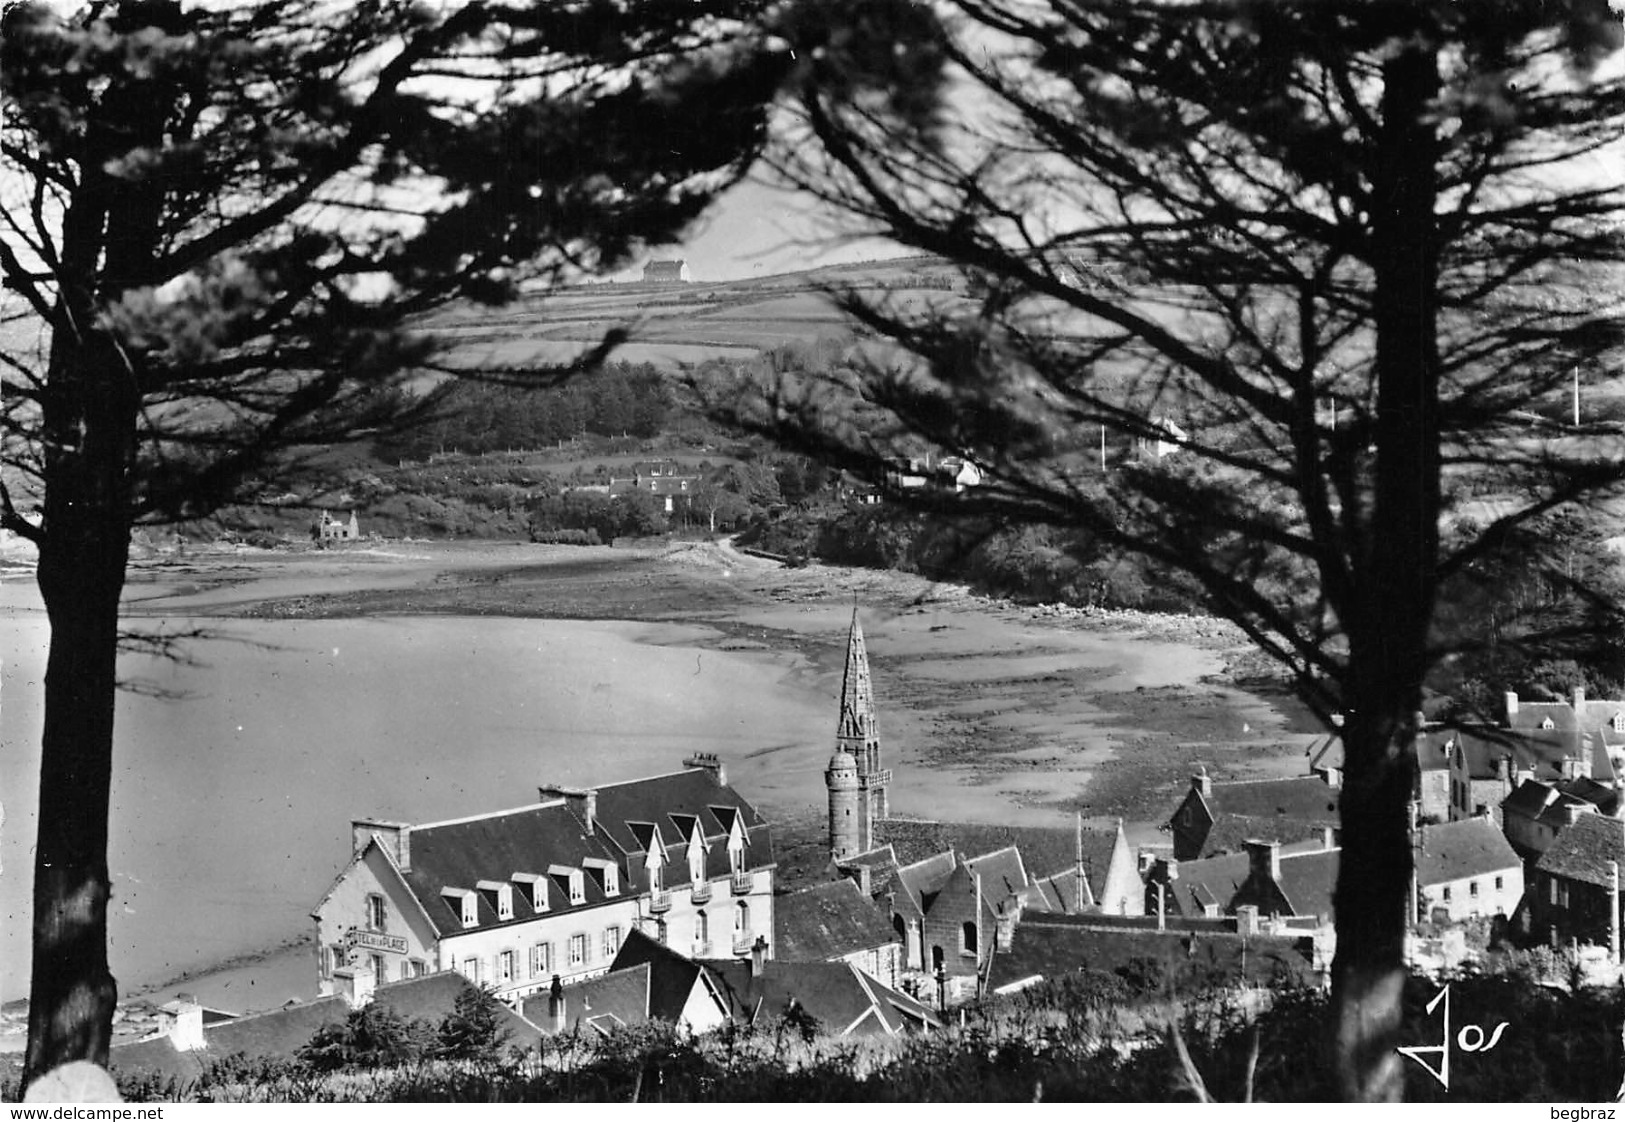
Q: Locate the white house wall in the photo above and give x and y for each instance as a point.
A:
(1489, 901)
(346, 907)
(485, 944)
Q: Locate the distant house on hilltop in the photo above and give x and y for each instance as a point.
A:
(671, 482)
(666, 272)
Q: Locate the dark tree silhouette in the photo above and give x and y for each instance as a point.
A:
(1326, 253)
(218, 224)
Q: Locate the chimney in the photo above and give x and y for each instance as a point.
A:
(182, 1021)
(1201, 784)
(1264, 858)
(396, 838)
(708, 761)
(555, 1004)
(1572, 812)
(1579, 705)
(581, 801)
(1247, 919)
(1511, 706)
(1148, 860)
(1328, 836)
(356, 984)
(758, 957)
(865, 880)
(1004, 931)
(1334, 778)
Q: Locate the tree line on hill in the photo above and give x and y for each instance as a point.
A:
(471, 416)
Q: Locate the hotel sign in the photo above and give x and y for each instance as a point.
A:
(376, 941)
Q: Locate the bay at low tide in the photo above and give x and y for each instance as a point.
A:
(235, 778)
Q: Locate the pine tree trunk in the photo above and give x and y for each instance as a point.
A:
(81, 576)
(1388, 627)
(71, 999)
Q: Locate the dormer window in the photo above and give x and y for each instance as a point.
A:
(607, 873)
(535, 889)
(696, 864)
(465, 902)
(1547, 724)
(499, 895)
(1618, 722)
(578, 887)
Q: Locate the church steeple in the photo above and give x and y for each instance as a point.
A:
(857, 736)
(857, 733)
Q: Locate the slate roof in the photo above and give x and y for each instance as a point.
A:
(1046, 851)
(629, 818)
(1210, 881)
(281, 1032)
(1053, 947)
(1541, 752)
(1301, 798)
(921, 881)
(1451, 851)
(1214, 880)
(882, 865)
(1582, 851)
(620, 997)
(1308, 881)
(841, 998)
(827, 922)
(1002, 874)
(672, 976)
(1599, 795)
(1529, 799)
(1232, 831)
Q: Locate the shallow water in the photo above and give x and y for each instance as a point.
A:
(232, 799)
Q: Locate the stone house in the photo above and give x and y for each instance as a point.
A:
(331, 529)
(1536, 812)
(515, 898)
(1574, 893)
(1215, 818)
(1465, 869)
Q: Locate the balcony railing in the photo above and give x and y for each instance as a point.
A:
(740, 884)
(660, 901)
(702, 891)
(702, 948)
(744, 941)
